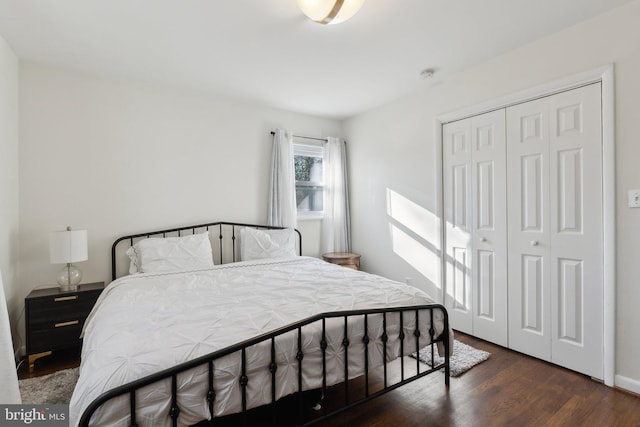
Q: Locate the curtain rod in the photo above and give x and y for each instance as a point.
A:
(305, 137)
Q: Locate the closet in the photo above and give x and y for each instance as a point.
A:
(524, 235)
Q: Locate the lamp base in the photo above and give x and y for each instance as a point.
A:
(69, 278)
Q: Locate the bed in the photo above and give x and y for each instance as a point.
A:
(182, 342)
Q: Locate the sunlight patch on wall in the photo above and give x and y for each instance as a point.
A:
(414, 217)
(416, 254)
(415, 235)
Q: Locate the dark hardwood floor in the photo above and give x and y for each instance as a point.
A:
(509, 389)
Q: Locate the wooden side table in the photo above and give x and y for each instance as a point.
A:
(345, 259)
(54, 318)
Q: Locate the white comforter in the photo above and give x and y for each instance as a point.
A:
(145, 323)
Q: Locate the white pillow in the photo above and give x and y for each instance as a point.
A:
(162, 255)
(134, 257)
(260, 244)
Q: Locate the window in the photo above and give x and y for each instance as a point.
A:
(309, 176)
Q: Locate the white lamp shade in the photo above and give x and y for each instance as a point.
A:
(68, 246)
(322, 10)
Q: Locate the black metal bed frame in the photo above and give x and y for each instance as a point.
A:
(178, 231)
(241, 348)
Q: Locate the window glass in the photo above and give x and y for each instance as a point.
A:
(309, 176)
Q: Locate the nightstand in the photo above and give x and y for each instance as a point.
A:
(54, 318)
(345, 259)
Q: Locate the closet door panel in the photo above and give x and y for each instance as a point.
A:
(489, 233)
(486, 285)
(528, 228)
(570, 294)
(531, 285)
(457, 211)
(532, 183)
(576, 229)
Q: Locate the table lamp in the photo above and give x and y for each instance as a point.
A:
(66, 247)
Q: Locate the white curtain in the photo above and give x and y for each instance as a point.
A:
(9, 391)
(282, 191)
(336, 229)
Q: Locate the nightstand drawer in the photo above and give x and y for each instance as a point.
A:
(50, 310)
(55, 338)
(50, 324)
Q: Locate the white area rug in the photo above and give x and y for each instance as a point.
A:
(464, 357)
(53, 388)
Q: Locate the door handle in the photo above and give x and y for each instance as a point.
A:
(534, 243)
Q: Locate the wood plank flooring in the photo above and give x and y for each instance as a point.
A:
(509, 389)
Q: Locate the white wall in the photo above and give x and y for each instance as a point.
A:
(9, 175)
(394, 165)
(116, 157)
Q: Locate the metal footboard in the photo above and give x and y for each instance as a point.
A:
(408, 343)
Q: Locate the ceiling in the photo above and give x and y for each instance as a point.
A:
(267, 52)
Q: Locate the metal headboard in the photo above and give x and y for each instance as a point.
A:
(224, 229)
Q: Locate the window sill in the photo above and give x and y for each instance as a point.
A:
(310, 216)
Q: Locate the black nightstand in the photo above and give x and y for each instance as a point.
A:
(54, 318)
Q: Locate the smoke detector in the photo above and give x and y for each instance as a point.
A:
(427, 73)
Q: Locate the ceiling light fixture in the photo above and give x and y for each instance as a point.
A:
(330, 11)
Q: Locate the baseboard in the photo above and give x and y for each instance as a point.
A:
(628, 384)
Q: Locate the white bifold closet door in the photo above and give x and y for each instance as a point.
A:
(554, 193)
(524, 233)
(476, 230)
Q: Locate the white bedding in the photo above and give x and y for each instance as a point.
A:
(145, 323)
